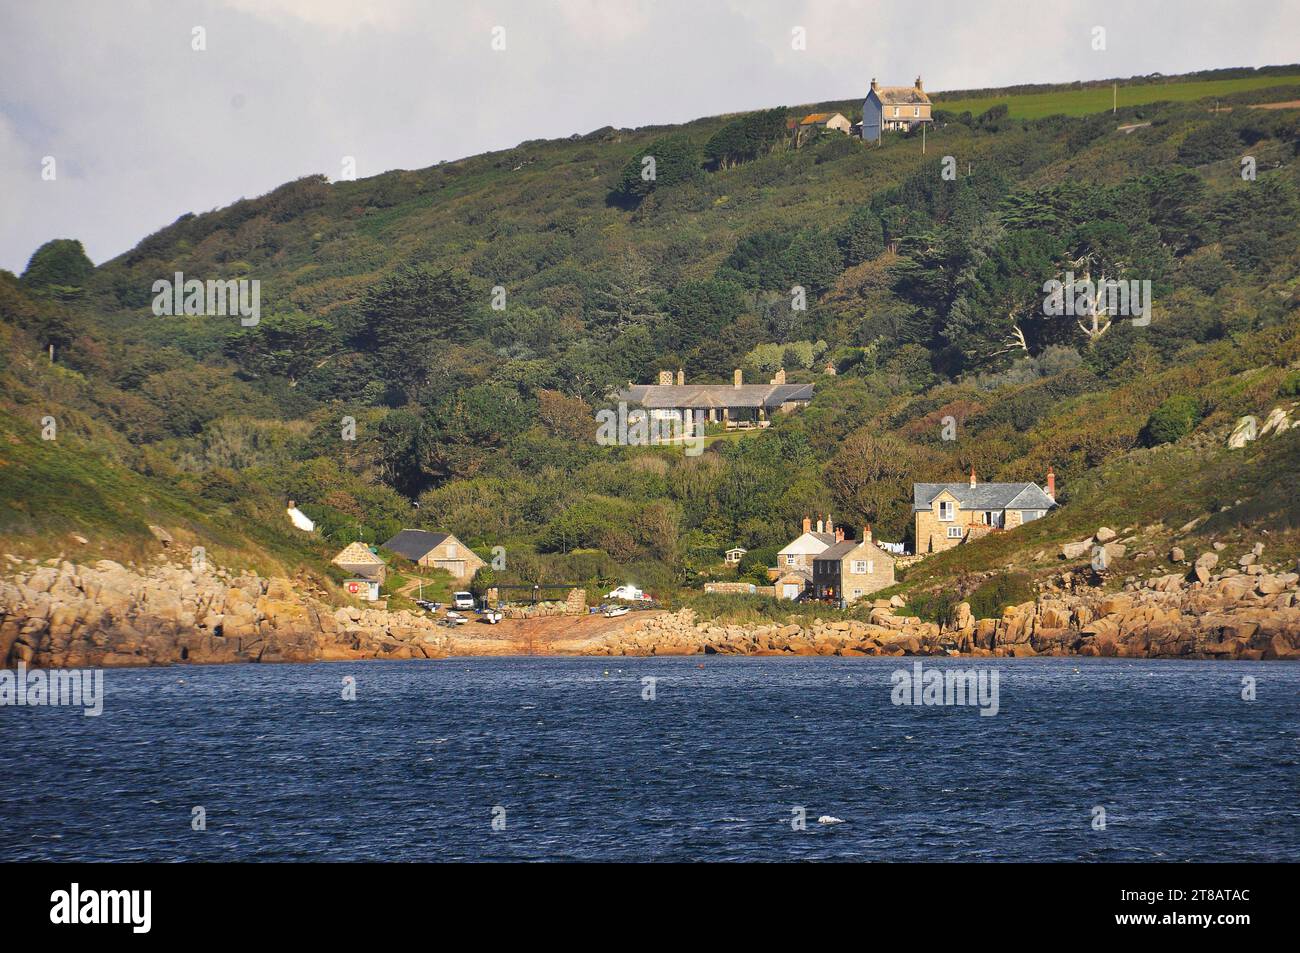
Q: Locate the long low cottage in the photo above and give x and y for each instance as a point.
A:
(736, 406)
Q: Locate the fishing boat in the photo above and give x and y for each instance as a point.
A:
(613, 612)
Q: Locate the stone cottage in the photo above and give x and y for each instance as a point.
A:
(948, 514)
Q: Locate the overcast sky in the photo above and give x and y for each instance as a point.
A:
(143, 127)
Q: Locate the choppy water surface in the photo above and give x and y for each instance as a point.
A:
(710, 769)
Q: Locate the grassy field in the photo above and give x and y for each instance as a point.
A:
(1080, 102)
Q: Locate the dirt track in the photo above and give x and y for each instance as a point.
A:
(550, 635)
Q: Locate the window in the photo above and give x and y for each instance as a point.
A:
(895, 110)
(860, 567)
(954, 532)
(1027, 515)
(857, 593)
(916, 110)
(791, 560)
(945, 511)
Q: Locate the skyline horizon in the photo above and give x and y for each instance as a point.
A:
(148, 121)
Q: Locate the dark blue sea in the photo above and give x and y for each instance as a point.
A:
(579, 766)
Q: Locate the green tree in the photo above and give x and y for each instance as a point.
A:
(288, 346)
(59, 267)
(1172, 420)
(407, 317)
(673, 160)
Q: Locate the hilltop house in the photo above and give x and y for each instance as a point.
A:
(816, 122)
(846, 571)
(437, 550)
(893, 108)
(737, 406)
(948, 514)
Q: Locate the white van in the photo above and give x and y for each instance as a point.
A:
(462, 600)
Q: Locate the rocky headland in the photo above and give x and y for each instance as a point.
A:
(103, 614)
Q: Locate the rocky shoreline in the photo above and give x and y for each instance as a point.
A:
(63, 615)
(1250, 617)
(107, 615)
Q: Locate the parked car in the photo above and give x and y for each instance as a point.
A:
(463, 600)
(631, 593)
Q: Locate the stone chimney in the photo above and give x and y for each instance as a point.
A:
(1051, 482)
(839, 534)
(737, 378)
(874, 85)
(681, 377)
(780, 377)
(919, 87)
(830, 525)
(821, 524)
(807, 524)
(972, 476)
(665, 378)
(291, 504)
(866, 533)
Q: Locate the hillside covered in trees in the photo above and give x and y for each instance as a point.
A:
(471, 317)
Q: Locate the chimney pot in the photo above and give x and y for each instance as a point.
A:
(738, 377)
(807, 524)
(972, 477)
(1051, 482)
(681, 377)
(839, 534)
(866, 533)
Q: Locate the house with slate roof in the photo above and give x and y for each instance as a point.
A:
(437, 550)
(792, 575)
(949, 514)
(736, 406)
(894, 108)
(847, 571)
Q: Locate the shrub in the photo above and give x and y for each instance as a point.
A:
(1290, 385)
(998, 592)
(937, 607)
(1172, 420)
